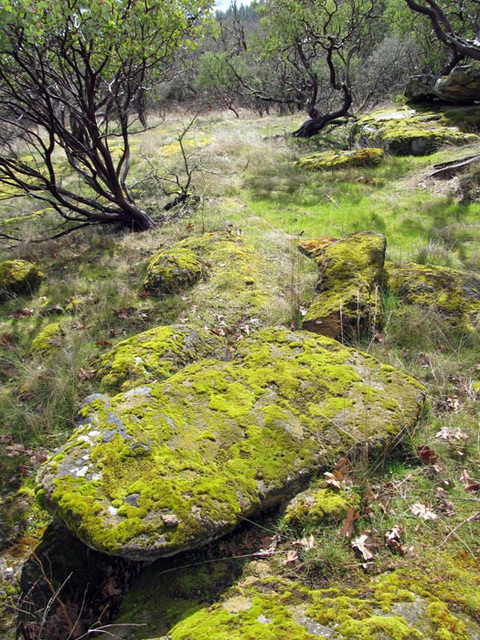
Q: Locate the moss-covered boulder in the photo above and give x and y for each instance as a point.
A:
(172, 270)
(47, 338)
(17, 277)
(168, 467)
(155, 355)
(405, 132)
(240, 288)
(348, 301)
(453, 294)
(317, 506)
(331, 160)
(417, 604)
(315, 247)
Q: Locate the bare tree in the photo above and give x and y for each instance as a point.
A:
(73, 77)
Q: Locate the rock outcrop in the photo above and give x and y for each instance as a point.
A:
(460, 86)
(348, 298)
(239, 284)
(405, 132)
(18, 277)
(403, 605)
(454, 294)
(168, 467)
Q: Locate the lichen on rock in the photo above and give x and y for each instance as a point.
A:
(17, 277)
(218, 441)
(454, 294)
(155, 355)
(331, 160)
(407, 132)
(172, 270)
(348, 299)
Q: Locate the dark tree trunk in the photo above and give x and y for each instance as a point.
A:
(136, 219)
(317, 122)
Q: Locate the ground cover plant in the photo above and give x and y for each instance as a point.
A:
(406, 522)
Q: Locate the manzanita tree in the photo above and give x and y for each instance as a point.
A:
(456, 23)
(73, 75)
(318, 38)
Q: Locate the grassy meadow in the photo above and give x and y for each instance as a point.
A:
(246, 181)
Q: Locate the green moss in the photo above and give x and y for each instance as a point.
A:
(216, 440)
(330, 160)
(317, 506)
(47, 338)
(155, 355)
(348, 301)
(173, 270)
(407, 132)
(17, 277)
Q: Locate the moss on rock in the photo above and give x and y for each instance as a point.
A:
(408, 132)
(404, 605)
(155, 355)
(48, 338)
(239, 285)
(331, 160)
(348, 301)
(165, 468)
(17, 277)
(454, 294)
(320, 506)
(172, 270)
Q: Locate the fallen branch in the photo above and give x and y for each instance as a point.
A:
(449, 169)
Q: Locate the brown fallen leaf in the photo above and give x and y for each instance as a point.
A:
(468, 482)
(392, 539)
(292, 557)
(364, 544)
(337, 479)
(451, 433)
(421, 510)
(86, 374)
(347, 526)
(427, 455)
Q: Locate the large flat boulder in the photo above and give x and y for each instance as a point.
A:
(460, 86)
(403, 605)
(333, 160)
(168, 467)
(348, 301)
(403, 132)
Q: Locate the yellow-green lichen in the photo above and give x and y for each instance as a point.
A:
(330, 160)
(155, 355)
(423, 603)
(217, 440)
(316, 506)
(48, 338)
(454, 294)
